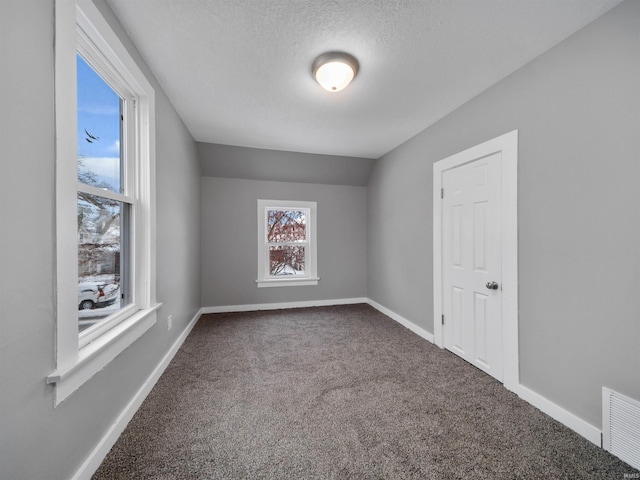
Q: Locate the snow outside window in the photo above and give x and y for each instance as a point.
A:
(286, 243)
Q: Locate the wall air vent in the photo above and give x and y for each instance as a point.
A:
(621, 426)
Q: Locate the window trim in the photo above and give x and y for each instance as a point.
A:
(311, 264)
(78, 360)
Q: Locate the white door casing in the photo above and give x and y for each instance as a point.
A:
(475, 242)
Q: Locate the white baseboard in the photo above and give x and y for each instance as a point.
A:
(558, 413)
(95, 458)
(402, 321)
(278, 306)
(322, 303)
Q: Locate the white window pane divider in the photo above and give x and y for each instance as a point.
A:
(104, 193)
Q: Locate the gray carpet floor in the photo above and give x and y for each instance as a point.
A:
(338, 393)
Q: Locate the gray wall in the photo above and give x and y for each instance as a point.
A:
(230, 235)
(38, 441)
(229, 161)
(577, 109)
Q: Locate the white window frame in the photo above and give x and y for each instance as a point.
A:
(81, 28)
(310, 276)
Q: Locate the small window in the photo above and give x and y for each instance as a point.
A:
(286, 243)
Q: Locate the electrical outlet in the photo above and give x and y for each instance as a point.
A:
(169, 322)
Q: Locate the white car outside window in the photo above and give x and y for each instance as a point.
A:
(96, 295)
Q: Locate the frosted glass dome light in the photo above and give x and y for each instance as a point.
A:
(334, 70)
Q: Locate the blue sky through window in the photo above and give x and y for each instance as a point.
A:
(98, 130)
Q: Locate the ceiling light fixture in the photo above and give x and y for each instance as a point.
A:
(334, 70)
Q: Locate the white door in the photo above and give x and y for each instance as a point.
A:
(471, 263)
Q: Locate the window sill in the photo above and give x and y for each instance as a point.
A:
(289, 282)
(98, 354)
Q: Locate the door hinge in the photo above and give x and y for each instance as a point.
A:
(443, 319)
(442, 193)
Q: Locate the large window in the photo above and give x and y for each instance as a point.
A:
(286, 243)
(105, 220)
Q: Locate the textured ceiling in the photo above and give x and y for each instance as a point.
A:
(238, 71)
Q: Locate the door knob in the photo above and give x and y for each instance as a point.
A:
(492, 285)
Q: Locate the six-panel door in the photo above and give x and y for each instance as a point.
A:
(471, 261)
